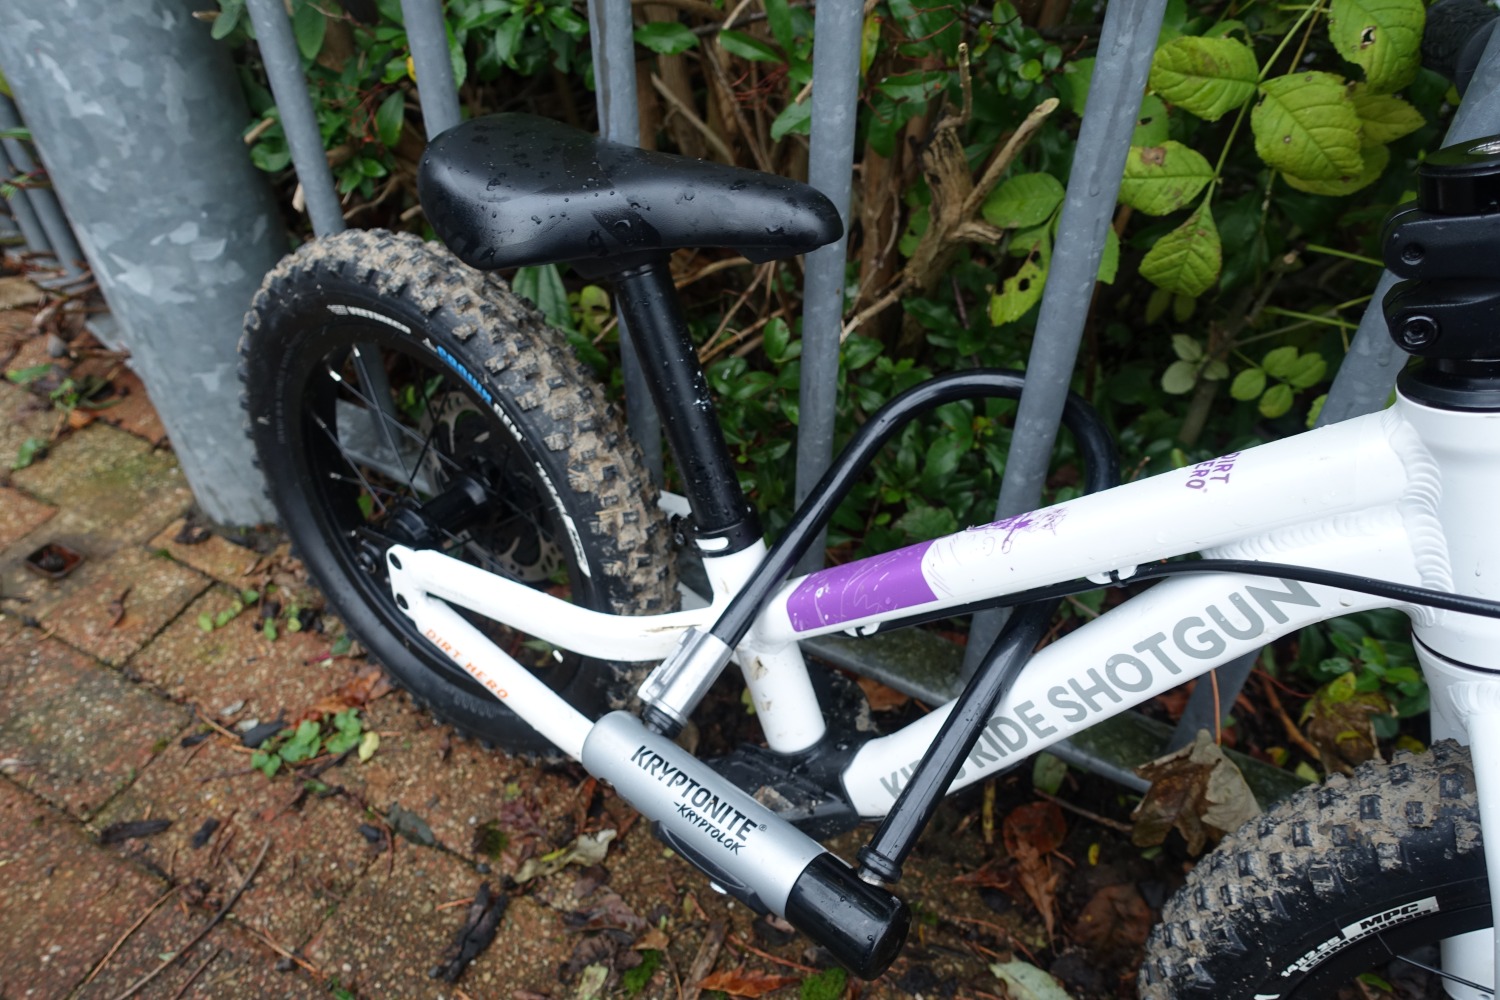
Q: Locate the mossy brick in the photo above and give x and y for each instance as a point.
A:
(316, 853)
(237, 663)
(239, 967)
(28, 591)
(121, 602)
(127, 406)
(20, 515)
(65, 901)
(213, 556)
(73, 731)
(22, 415)
(113, 480)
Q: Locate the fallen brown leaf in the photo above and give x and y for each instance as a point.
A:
(746, 982)
(1198, 791)
(1040, 824)
(881, 697)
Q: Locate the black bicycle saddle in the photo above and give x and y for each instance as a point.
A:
(512, 189)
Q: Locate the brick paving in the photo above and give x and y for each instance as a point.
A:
(119, 698)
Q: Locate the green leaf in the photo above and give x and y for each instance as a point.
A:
(1073, 83)
(267, 763)
(309, 25)
(206, 622)
(543, 285)
(1151, 124)
(779, 17)
(1186, 347)
(26, 376)
(666, 37)
(1306, 125)
(1180, 377)
(268, 629)
(31, 449)
(1205, 76)
(1018, 294)
(1384, 37)
(1373, 160)
(1214, 371)
(1316, 410)
(778, 336)
(793, 118)
(1162, 179)
(1048, 772)
(249, 596)
(1308, 371)
(737, 43)
(1186, 260)
(1384, 117)
(368, 744)
(1248, 385)
(1109, 263)
(1276, 401)
(1279, 362)
(227, 21)
(304, 742)
(389, 118)
(1023, 200)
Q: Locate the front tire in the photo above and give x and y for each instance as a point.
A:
(380, 371)
(1337, 881)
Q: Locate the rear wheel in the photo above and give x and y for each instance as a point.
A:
(396, 395)
(1361, 877)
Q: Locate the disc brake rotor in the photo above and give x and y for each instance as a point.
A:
(512, 537)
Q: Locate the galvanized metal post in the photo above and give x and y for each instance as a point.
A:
(1368, 374)
(278, 50)
(137, 113)
(612, 43)
(43, 202)
(428, 35)
(1126, 44)
(835, 101)
(25, 216)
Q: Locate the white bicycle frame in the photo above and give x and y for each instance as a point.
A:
(1407, 495)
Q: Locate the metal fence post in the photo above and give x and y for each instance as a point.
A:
(278, 50)
(137, 113)
(835, 102)
(25, 216)
(612, 45)
(428, 35)
(1126, 45)
(42, 202)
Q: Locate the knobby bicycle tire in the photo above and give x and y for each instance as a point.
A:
(377, 369)
(1335, 882)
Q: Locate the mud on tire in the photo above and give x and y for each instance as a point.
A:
(476, 384)
(1335, 882)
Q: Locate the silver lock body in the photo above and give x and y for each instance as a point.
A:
(744, 846)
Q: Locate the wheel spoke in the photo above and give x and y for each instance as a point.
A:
(1432, 970)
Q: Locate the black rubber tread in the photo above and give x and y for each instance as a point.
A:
(1285, 883)
(508, 345)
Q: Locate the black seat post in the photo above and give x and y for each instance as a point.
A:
(723, 519)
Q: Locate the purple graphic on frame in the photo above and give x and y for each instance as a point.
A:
(870, 586)
(1046, 519)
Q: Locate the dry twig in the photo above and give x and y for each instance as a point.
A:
(167, 963)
